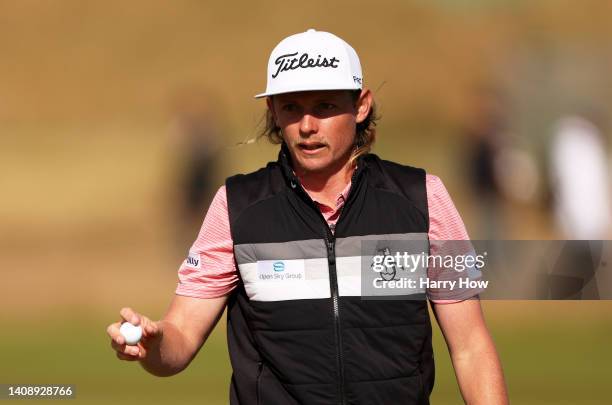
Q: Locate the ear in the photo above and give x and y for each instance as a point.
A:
(364, 105)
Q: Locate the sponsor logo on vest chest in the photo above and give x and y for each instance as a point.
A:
(280, 270)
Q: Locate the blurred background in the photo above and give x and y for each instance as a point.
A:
(119, 119)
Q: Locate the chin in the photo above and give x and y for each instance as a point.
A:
(312, 164)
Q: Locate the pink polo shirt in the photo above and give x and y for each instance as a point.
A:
(216, 273)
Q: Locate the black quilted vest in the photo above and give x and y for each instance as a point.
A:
(299, 332)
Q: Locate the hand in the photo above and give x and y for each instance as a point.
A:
(151, 336)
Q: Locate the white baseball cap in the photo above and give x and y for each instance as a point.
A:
(312, 60)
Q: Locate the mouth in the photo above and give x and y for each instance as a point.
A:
(311, 147)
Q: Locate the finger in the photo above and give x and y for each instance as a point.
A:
(119, 347)
(127, 357)
(129, 315)
(146, 325)
(126, 349)
(113, 332)
(144, 321)
(151, 329)
(132, 350)
(142, 351)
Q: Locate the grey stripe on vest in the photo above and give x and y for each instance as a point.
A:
(299, 249)
(355, 246)
(315, 248)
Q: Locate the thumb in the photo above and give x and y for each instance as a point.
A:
(151, 329)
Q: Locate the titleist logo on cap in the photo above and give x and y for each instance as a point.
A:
(290, 61)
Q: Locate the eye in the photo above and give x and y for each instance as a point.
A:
(289, 107)
(327, 106)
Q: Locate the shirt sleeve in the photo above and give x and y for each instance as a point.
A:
(445, 228)
(209, 271)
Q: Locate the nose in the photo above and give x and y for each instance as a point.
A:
(308, 125)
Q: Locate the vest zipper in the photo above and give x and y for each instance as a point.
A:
(333, 281)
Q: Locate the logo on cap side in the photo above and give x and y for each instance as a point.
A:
(286, 62)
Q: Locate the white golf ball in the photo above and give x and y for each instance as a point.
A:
(131, 333)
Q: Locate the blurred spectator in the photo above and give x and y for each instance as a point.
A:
(195, 133)
(580, 180)
(581, 188)
(498, 171)
(483, 133)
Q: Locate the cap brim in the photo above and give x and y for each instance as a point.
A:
(274, 93)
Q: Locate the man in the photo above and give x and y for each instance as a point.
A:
(277, 248)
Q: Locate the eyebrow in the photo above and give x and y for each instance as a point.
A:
(317, 100)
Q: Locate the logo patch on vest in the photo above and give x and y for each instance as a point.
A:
(193, 260)
(280, 270)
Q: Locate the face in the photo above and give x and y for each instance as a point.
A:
(319, 126)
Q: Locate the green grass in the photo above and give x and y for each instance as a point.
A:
(547, 360)
(79, 353)
(548, 356)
